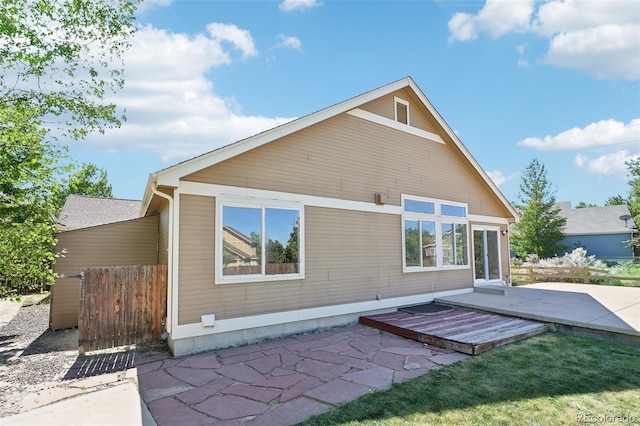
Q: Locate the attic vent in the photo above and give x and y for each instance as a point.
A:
(402, 111)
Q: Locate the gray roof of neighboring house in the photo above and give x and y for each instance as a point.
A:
(595, 220)
(82, 211)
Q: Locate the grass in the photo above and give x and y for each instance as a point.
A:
(626, 269)
(546, 380)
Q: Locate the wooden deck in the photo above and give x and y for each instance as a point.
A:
(466, 331)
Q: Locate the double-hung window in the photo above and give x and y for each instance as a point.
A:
(435, 234)
(259, 242)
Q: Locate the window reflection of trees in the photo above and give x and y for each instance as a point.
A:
(420, 243)
(244, 241)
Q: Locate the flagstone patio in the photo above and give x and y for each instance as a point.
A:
(283, 381)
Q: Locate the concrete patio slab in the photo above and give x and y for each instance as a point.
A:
(597, 307)
(8, 310)
(118, 405)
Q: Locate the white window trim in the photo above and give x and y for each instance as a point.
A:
(439, 219)
(396, 101)
(261, 204)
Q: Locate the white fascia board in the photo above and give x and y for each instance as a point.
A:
(384, 121)
(243, 323)
(463, 148)
(148, 194)
(171, 175)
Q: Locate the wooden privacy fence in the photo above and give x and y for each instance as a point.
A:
(270, 269)
(532, 274)
(121, 305)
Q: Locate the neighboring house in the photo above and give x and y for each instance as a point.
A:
(83, 211)
(602, 231)
(362, 207)
(240, 250)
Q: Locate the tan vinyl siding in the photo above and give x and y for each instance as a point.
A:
(349, 158)
(163, 235)
(123, 243)
(196, 257)
(350, 257)
(385, 107)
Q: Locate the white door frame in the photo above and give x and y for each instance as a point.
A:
(484, 229)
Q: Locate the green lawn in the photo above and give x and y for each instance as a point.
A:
(546, 380)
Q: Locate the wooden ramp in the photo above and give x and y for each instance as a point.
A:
(466, 331)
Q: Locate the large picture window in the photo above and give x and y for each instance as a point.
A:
(435, 234)
(259, 243)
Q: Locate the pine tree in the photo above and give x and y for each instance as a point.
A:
(540, 228)
(633, 201)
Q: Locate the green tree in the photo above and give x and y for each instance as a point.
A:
(633, 201)
(59, 60)
(61, 57)
(292, 252)
(616, 200)
(583, 205)
(87, 180)
(27, 181)
(412, 246)
(275, 252)
(540, 228)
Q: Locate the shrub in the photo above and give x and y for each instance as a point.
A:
(578, 258)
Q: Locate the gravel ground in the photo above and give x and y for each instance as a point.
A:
(34, 358)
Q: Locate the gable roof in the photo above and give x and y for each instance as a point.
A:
(82, 211)
(170, 176)
(595, 220)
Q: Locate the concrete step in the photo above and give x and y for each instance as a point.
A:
(499, 290)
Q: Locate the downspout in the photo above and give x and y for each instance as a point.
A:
(169, 320)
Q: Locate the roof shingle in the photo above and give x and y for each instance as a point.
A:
(82, 211)
(595, 220)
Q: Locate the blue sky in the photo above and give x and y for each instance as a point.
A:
(554, 80)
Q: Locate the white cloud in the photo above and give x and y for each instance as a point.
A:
(240, 39)
(606, 51)
(611, 164)
(499, 178)
(522, 50)
(172, 108)
(294, 5)
(599, 38)
(596, 135)
(497, 17)
(145, 5)
(556, 17)
(288, 42)
(612, 142)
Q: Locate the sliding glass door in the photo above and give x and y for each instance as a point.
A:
(486, 254)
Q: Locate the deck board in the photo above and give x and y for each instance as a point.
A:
(462, 330)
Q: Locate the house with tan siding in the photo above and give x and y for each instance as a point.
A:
(362, 207)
